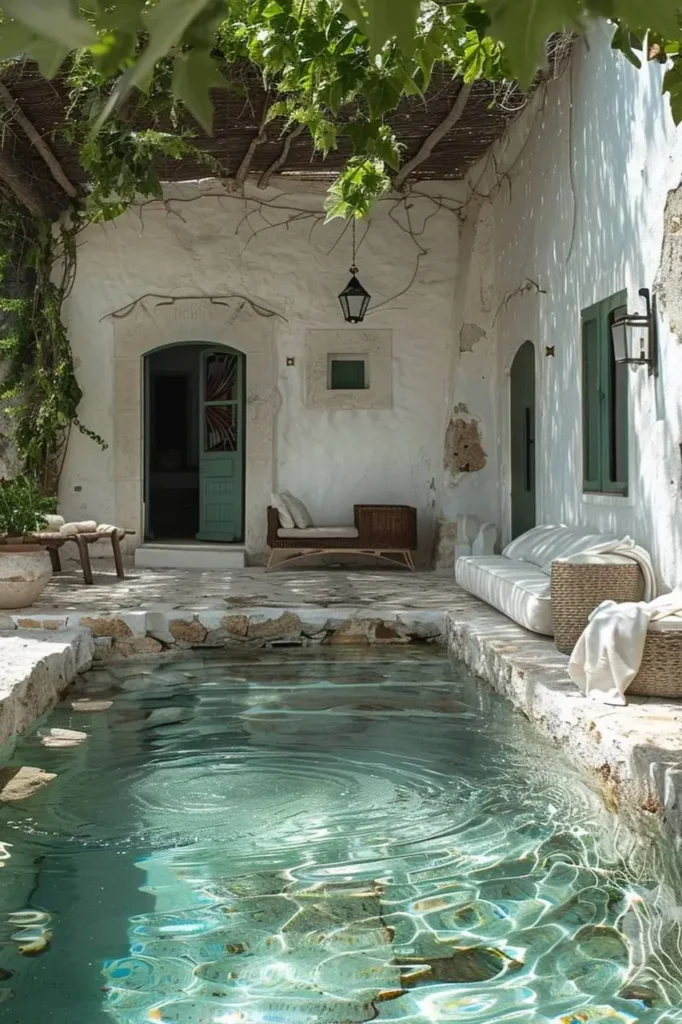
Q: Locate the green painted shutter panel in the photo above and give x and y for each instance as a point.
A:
(592, 411)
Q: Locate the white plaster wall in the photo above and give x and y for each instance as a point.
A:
(581, 214)
(205, 241)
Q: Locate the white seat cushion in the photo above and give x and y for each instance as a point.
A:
(320, 533)
(543, 544)
(519, 589)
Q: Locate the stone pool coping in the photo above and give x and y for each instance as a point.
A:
(35, 671)
(634, 754)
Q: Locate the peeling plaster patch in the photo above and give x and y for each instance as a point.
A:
(464, 451)
(667, 279)
(469, 335)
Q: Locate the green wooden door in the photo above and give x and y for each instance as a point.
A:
(523, 440)
(221, 458)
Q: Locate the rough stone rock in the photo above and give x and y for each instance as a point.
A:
(599, 942)
(385, 633)
(101, 626)
(167, 716)
(85, 705)
(41, 623)
(463, 966)
(146, 645)
(236, 625)
(347, 637)
(647, 995)
(7, 624)
(61, 737)
(20, 783)
(286, 626)
(188, 632)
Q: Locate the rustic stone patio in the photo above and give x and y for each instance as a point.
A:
(238, 588)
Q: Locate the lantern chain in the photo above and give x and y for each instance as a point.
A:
(354, 268)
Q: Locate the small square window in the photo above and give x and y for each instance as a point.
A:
(347, 373)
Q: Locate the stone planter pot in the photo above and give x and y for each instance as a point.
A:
(25, 571)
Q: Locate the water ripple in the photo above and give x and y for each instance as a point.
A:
(323, 841)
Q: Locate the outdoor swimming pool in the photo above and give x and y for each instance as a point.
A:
(301, 838)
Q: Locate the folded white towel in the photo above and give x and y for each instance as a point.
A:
(609, 653)
(71, 529)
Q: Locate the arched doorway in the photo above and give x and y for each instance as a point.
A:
(522, 433)
(194, 443)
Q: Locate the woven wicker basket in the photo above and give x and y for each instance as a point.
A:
(660, 673)
(577, 589)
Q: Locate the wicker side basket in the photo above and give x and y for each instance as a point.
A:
(660, 673)
(577, 589)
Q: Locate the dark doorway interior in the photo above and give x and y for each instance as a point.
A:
(172, 438)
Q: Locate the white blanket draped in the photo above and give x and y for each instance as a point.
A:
(609, 653)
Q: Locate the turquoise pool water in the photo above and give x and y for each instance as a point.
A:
(291, 839)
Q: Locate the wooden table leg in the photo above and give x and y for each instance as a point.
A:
(54, 559)
(118, 558)
(85, 559)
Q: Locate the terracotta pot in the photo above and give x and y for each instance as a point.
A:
(25, 571)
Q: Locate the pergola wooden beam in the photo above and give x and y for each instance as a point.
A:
(14, 178)
(41, 147)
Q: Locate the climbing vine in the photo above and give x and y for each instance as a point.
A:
(39, 390)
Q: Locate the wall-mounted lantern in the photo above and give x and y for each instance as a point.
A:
(354, 298)
(634, 336)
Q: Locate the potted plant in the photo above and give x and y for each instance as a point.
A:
(25, 566)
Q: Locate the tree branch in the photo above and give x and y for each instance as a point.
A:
(56, 169)
(282, 158)
(261, 137)
(441, 130)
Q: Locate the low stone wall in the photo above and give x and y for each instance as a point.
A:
(633, 754)
(155, 632)
(35, 669)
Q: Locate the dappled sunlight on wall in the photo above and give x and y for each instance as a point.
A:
(583, 219)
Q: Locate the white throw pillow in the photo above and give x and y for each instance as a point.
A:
(300, 513)
(286, 520)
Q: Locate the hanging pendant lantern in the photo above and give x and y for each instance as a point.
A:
(354, 298)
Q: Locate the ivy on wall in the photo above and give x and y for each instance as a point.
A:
(39, 389)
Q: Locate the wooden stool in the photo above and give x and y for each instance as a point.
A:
(54, 541)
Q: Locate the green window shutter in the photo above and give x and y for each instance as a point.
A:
(347, 375)
(592, 426)
(605, 387)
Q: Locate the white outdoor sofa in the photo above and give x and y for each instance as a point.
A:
(517, 582)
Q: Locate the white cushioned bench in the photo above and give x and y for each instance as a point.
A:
(518, 581)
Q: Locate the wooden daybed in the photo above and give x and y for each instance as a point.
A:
(388, 532)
